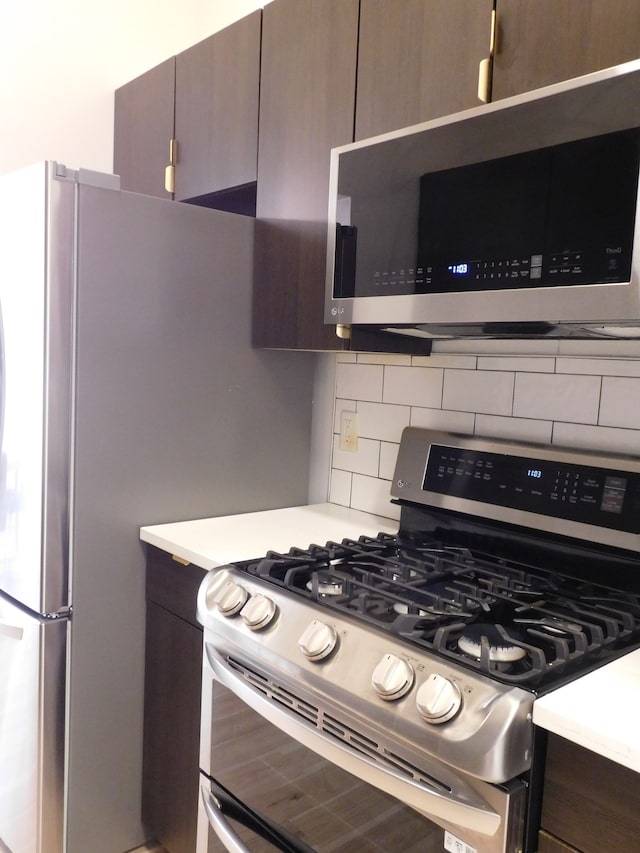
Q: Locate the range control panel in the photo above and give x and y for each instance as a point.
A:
(599, 496)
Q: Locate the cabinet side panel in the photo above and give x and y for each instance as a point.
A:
(307, 99)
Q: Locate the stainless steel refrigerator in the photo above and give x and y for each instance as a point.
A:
(129, 395)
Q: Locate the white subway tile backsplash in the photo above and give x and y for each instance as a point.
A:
(365, 460)
(413, 386)
(382, 421)
(372, 495)
(564, 397)
(608, 439)
(359, 381)
(603, 366)
(340, 490)
(573, 393)
(388, 456)
(620, 405)
(462, 362)
(478, 391)
(383, 358)
(518, 429)
(531, 365)
(443, 419)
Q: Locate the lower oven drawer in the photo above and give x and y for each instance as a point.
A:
(293, 788)
(318, 804)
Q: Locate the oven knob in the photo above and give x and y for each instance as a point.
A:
(392, 677)
(231, 598)
(318, 640)
(439, 699)
(258, 612)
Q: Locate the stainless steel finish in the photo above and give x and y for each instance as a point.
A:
(318, 640)
(392, 677)
(32, 658)
(412, 458)
(439, 699)
(130, 396)
(594, 104)
(220, 824)
(490, 817)
(490, 741)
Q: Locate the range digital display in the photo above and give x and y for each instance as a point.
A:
(575, 492)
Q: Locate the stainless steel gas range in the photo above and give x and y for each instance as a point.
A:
(376, 694)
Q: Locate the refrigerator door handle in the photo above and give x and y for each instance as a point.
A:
(13, 632)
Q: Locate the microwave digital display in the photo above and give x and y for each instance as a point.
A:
(562, 215)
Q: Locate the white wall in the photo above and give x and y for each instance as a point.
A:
(61, 60)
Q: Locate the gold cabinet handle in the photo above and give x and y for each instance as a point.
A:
(485, 71)
(170, 171)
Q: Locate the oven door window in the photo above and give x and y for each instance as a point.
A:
(316, 802)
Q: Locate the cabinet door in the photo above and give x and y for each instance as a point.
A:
(307, 100)
(143, 129)
(548, 844)
(544, 41)
(217, 96)
(172, 729)
(418, 59)
(589, 802)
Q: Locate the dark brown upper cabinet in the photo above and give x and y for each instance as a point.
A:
(216, 113)
(417, 60)
(540, 42)
(188, 129)
(143, 129)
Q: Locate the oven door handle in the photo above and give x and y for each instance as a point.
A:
(463, 809)
(220, 824)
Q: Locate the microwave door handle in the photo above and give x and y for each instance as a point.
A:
(467, 810)
(220, 825)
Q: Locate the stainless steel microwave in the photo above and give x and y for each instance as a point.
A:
(514, 219)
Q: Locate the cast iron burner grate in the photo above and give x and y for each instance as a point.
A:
(514, 622)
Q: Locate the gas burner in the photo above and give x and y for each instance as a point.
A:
(500, 649)
(324, 583)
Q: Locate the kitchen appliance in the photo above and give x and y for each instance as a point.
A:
(377, 693)
(129, 394)
(513, 219)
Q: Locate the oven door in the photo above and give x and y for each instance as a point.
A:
(273, 779)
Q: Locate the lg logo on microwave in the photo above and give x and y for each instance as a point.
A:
(335, 312)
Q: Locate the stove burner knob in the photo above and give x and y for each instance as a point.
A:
(258, 612)
(318, 640)
(439, 699)
(392, 678)
(231, 598)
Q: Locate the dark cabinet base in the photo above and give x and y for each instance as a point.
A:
(173, 679)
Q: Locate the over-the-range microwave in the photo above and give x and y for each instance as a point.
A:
(513, 219)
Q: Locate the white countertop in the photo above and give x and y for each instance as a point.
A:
(598, 711)
(211, 542)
